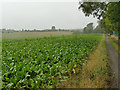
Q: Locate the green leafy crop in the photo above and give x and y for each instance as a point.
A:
(37, 63)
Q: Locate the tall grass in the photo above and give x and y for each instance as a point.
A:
(0, 60)
(115, 45)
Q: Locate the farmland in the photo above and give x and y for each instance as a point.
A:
(22, 35)
(42, 62)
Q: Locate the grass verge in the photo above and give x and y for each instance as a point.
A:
(0, 60)
(95, 72)
(115, 37)
(115, 45)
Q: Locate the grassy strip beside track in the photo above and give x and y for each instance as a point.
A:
(114, 44)
(115, 37)
(96, 73)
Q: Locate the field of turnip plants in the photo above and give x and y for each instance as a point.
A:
(42, 62)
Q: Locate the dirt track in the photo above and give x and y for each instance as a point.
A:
(114, 63)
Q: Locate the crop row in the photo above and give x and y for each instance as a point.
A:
(41, 62)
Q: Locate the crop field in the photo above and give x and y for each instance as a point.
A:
(22, 35)
(42, 62)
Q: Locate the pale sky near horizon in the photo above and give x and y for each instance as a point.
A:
(43, 15)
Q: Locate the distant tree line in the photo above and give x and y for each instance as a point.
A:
(8, 30)
(53, 29)
(46, 30)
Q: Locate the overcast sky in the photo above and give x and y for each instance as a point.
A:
(43, 15)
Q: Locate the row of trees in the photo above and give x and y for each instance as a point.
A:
(108, 14)
(35, 30)
(89, 29)
(53, 29)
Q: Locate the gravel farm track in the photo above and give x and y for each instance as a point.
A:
(113, 57)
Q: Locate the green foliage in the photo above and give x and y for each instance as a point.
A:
(96, 9)
(89, 28)
(98, 29)
(35, 63)
(113, 16)
(107, 12)
(115, 45)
